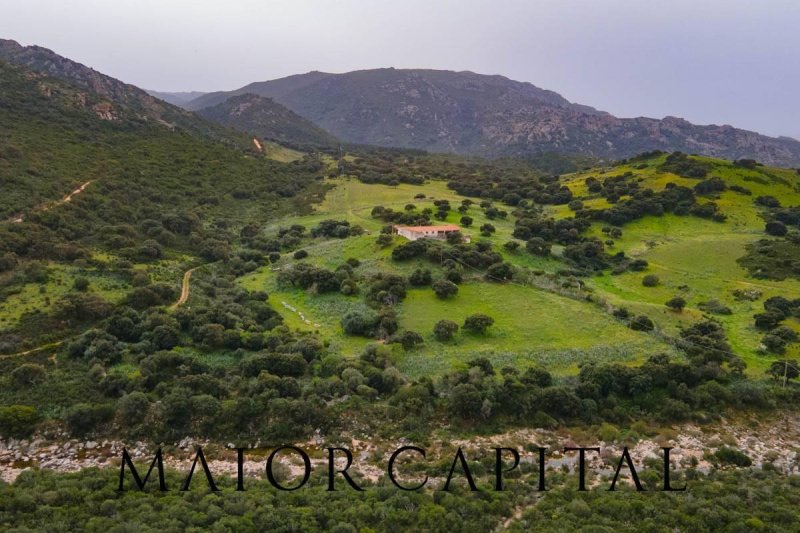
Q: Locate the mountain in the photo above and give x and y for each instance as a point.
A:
(491, 116)
(177, 98)
(267, 119)
(116, 94)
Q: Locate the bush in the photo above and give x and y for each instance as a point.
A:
(732, 456)
(420, 277)
(776, 228)
(407, 339)
(445, 330)
(360, 322)
(466, 221)
(81, 284)
(650, 280)
(18, 421)
(500, 272)
(444, 289)
(300, 254)
(478, 323)
(676, 304)
(27, 374)
(642, 323)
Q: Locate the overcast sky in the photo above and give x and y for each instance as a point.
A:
(710, 61)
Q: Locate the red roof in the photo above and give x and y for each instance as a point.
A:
(445, 227)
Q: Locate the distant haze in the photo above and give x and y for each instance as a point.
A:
(715, 61)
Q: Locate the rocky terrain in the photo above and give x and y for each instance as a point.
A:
(773, 442)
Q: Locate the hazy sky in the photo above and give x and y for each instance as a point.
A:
(710, 61)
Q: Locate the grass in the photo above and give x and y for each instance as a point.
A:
(281, 153)
(694, 258)
(533, 326)
(697, 258)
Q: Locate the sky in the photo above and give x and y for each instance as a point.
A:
(709, 61)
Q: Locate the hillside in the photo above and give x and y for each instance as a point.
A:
(493, 116)
(138, 102)
(158, 286)
(265, 118)
(176, 98)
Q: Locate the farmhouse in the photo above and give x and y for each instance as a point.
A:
(413, 233)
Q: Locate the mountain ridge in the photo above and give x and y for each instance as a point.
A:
(116, 92)
(491, 116)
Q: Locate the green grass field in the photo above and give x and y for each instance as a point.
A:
(694, 258)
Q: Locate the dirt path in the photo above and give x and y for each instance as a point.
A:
(184, 289)
(46, 207)
(32, 350)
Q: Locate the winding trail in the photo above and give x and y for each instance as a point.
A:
(46, 207)
(33, 350)
(184, 289)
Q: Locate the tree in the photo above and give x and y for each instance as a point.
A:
(360, 322)
(500, 272)
(408, 339)
(776, 228)
(384, 240)
(466, 400)
(642, 323)
(420, 277)
(511, 246)
(650, 280)
(444, 289)
(774, 343)
(784, 370)
(538, 246)
(445, 330)
(487, 229)
(676, 304)
(466, 221)
(478, 323)
(81, 284)
(300, 254)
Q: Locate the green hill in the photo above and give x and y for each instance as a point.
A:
(267, 119)
(158, 282)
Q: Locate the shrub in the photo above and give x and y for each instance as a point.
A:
(300, 254)
(650, 280)
(444, 289)
(767, 201)
(445, 330)
(360, 322)
(715, 307)
(478, 323)
(81, 284)
(466, 221)
(642, 323)
(732, 456)
(27, 374)
(776, 228)
(676, 304)
(18, 421)
(420, 277)
(500, 272)
(407, 339)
